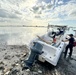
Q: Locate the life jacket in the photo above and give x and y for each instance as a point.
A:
(54, 40)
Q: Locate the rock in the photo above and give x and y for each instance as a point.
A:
(17, 64)
(21, 59)
(28, 70)
(7, 73)
(1, 67)
(7, 57)
(5, 53)
(25, 68)
(1, 73)
(1, 63)
(11, 48)
(13, 65)
(24, 54)
(39, 71)
(35, 73)
(14, 72)
(18, 55)
(3, 49)
(12, 56)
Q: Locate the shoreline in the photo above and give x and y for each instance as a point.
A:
(11, 57)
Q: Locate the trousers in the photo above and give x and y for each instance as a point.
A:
(69, 46)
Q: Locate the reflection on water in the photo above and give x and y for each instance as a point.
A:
(19, 35)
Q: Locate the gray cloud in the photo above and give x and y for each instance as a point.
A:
(2, 20)
(6, 14)
(37, 17)
(5, 20)
(17, 12)
(16, 1)
(14, 10)
(35, 9)
(3, 13)
(38, 9)
(73, 13)
(49, 6)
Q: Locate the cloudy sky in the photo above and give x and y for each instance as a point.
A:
(37, 12)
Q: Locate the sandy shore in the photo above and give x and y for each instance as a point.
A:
(11, 58)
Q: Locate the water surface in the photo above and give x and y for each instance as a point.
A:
(19, 35)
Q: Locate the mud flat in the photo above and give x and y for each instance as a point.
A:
(12, 56)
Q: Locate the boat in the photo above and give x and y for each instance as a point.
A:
(51, 51)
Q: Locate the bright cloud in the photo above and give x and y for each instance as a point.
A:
(31, 12)
(60, 2)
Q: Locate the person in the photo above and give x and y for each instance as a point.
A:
(69, 46)
(60, 31)
(54, 39)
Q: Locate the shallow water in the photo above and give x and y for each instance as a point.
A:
(19, 35)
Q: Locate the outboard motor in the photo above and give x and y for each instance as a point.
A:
(35, 51)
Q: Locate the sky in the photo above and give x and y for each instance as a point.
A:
(38, 12)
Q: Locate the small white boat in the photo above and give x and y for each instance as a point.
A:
(51, 51)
